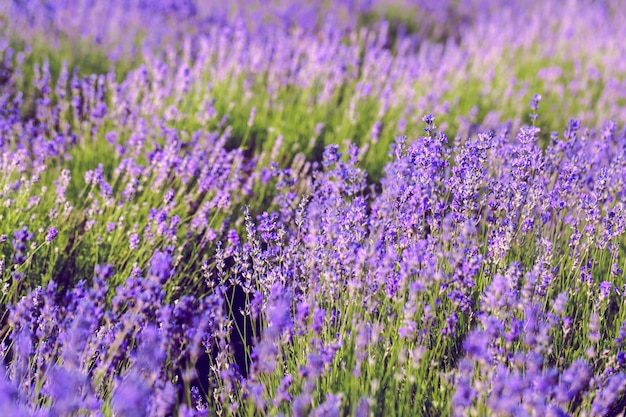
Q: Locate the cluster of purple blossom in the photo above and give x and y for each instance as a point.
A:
(481, 278)
(376, 80)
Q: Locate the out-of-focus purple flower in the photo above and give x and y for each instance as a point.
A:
(70, 391)
(301, 405)
(256, 391)
(476, 346)
(185, 411)
(264, 354)
(233, 237)
(252, 117)
(111, 227)
(319, 316)
(605, 398)
(450, 327)
(363, 408)
(560, 303)
(376, 130)
(278, 311)
(464, 394)
(51, 234)
(604, 289)
(104, 272)
(133, 241)
(161, 266)
(534, 102)
(169, 196)
(330, 408)
(21, 238)
(282, 392)
(594, 328)
(572, 381)
(131, 395)
(331, 155)
(10, 404)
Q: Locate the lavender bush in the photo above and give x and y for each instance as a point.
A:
(312, 208)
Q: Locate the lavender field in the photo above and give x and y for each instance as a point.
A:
(326, 208)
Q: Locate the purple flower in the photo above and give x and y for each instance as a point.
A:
(301, 405)
(451, 321)
(111, 227)
(282, 392)
(133, 241)
(605, 398)
(476, 346)
(331, 155)
(70, 391)
(594, 328)
(256, 391)
(169, 196)
(560, 303)
(330, 408)
(621, 337)
(363, 408)
(104, 272)
(278, 311)
(429, 119)
(10, 404)
(51, 234)
(605, 289)
(572, 381)
(319, 316)
(161, 266)
(264, 355)
(464, 394)
(131, 395)
(252, 117)
(233, 237)
(21, 238)
(534, 102)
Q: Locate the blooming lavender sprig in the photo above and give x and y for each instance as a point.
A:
(21, 238)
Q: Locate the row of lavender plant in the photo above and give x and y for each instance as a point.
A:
(482, 278)
(165, 253)
(363, 84)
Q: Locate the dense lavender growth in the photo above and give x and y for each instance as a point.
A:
(312, 208)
